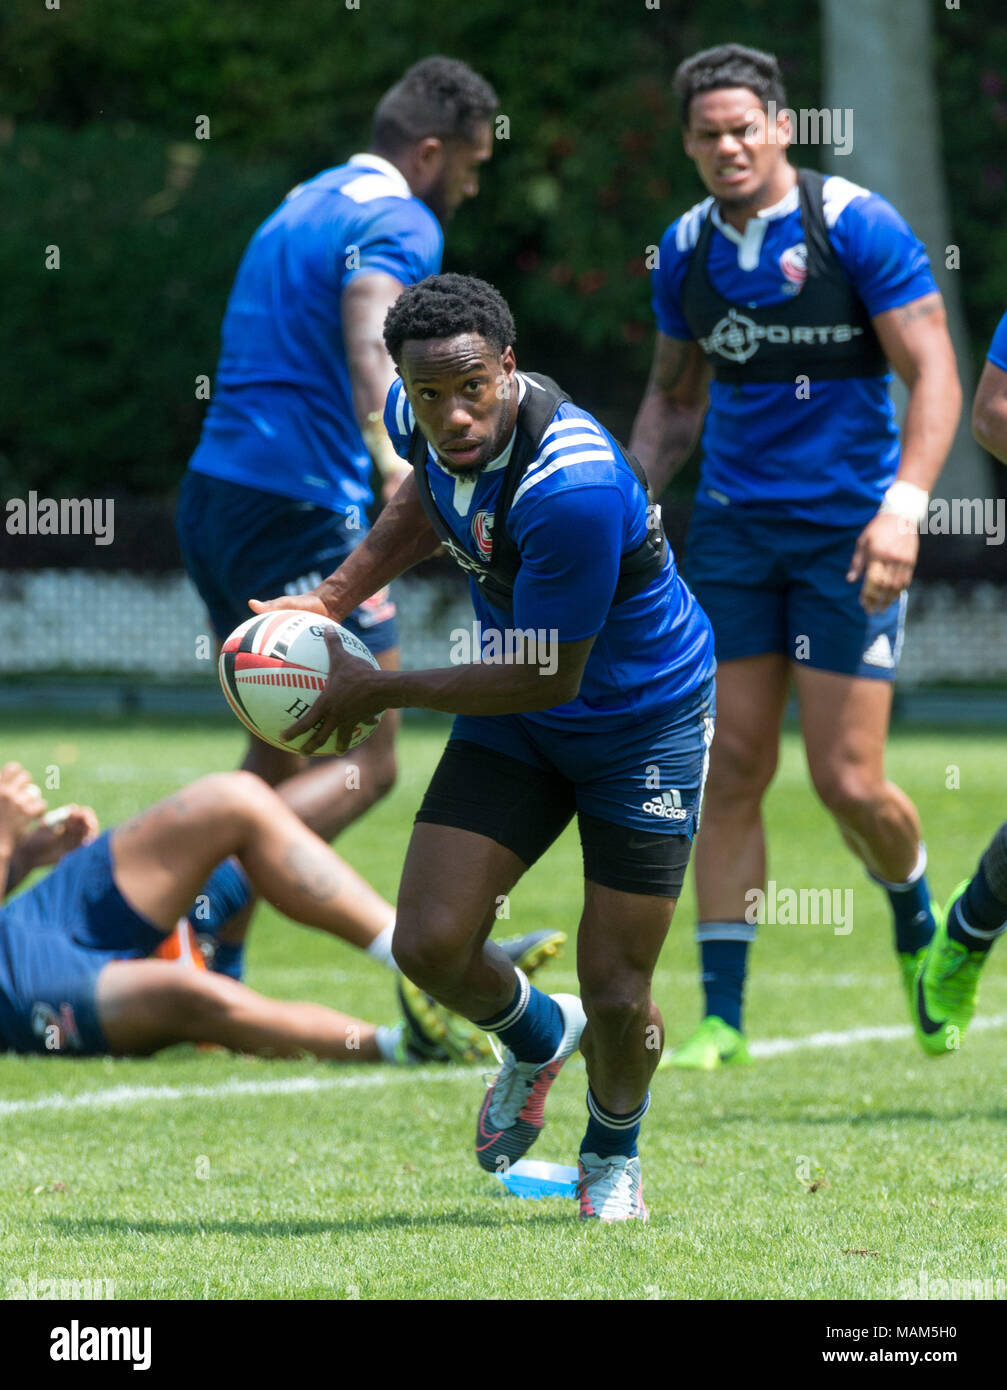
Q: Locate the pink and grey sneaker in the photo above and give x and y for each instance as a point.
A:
(610, 1189)
(512, 1115)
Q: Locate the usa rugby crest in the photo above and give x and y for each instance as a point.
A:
(482, 533)
(794, 264)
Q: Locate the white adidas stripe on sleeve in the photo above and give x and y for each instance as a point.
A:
(565, 461)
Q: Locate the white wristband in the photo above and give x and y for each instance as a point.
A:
(907, 501)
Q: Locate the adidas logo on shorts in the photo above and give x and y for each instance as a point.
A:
(879, 653)
(668, 807)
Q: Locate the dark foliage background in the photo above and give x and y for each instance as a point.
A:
(98, 156)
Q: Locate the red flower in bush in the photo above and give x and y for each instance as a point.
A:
(590, 281)
(636, 141)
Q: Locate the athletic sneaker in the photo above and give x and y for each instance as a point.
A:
(714, 1044)
(442, 1036)
(910, 961)
(434, 1032)
(182, 946)
(944, 992)
(610, 1189)
(512, 1115)
(404, 1053)
(909, 968)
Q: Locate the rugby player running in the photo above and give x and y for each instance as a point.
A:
(605, 709)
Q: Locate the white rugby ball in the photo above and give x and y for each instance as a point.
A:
(273, 668)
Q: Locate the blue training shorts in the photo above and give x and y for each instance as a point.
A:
(778, 584)
(636, 791)
(646, 776)
(55, 939)
(240, 542)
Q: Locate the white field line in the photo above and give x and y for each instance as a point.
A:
(290, 1085)
(779, 1047)
(116, 1096)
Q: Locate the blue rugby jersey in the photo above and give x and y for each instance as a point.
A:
(281, 416)
(998, 347)
(576, 511)
(829, 457)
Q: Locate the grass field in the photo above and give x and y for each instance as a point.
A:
(850, 1167)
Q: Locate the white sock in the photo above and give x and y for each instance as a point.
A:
(387, 1040)
(380, 948)
(919, 870)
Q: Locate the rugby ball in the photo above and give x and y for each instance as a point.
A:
(273, 668)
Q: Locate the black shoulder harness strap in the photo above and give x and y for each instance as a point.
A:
(496, 577)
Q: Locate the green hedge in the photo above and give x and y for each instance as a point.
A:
(98, 157)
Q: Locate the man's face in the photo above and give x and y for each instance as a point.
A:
(464, 394)
(451, 172)
(736, 152)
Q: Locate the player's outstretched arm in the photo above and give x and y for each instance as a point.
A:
(401, 538)
(989, 411)
(364, 304)
(916, 341)
(545, 673)
(671, 413)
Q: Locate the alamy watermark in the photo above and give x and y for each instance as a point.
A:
(511, 646)
(86, 1343)
(61, 516)
(828, 125)
(963, 516)
(827, 907)
(89, 1287)
(925, 1285)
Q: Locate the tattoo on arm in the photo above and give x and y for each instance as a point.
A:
(919, 309)
(669, 364)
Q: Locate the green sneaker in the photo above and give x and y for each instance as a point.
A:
(714, 1044)
(909, 967)
(944, 991)
(910, 961)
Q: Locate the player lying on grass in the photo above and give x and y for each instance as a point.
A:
(75, 973)
(605, 711)
(944, 996)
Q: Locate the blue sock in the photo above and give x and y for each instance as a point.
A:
(228, 960)
(531, 1025)
(979, 916)
(609, 1134)
(724, 963)
(224, 893)
(914, 918)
